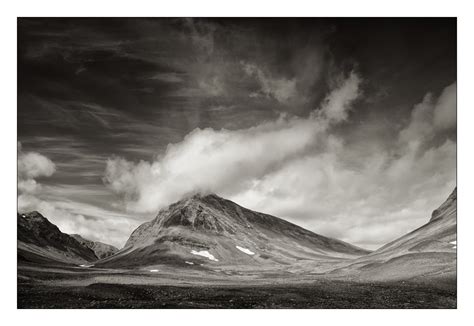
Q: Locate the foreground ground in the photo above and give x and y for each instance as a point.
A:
(317, 295)
(79, 288)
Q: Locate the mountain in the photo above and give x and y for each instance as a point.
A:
(101, 250)
(434, 236)
(429, 250)
(210, 230)
(447, 209)
(40, 241)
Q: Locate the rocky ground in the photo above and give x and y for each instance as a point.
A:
(70, 288)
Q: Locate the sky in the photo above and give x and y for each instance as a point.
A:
(346, 127)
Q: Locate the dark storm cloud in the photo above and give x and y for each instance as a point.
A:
(101, 94)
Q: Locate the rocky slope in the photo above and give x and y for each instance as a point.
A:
(210, 230)
(40, 241)
(429, 251)
(101, 250)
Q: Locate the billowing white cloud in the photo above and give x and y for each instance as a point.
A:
(298, 169)
(222, 161)
(210, 160)
(32, 165)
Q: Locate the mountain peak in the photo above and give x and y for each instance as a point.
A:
(196, 201)
(32, 215)
(200, 211)
(202, 196)
(34, 219)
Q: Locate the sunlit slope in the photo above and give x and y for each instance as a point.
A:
(429, 251)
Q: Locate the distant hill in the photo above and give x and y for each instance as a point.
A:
(210, 230)
(101, 250)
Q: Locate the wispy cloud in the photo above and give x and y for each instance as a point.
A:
(337, 103)
(168, 77)
(281, 89)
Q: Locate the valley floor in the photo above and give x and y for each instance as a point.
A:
(74, 288)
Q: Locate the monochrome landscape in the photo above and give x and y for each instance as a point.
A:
(237, 163)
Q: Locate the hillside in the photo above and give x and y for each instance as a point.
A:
(212, 231)
(429, 251)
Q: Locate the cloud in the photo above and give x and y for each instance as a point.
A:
(299, 169)
(420, 128)
(27, 186)
(445, 109)
(33, 165)
(167, 77)
(431, 116)
(219, 160)
(366, 204)
(211, 85)
(201, 34)
(365, 199)
(336, 104)
(281, 89)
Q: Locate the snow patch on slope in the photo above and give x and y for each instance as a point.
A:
(205, 253)
(245, 250)
(454, 243)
